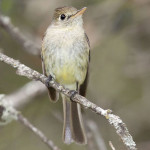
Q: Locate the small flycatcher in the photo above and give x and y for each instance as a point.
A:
(65, 57)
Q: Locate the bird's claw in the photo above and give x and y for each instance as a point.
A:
(72, 93)
(48, 80)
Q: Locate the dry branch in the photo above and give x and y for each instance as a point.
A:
(17, 98)
(14, 32)
(8, 113)
(96, 136)
(114, 120)
(40, 134)
(111, 145)
(25, 94)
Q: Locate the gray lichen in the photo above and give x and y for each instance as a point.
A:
(8, 113)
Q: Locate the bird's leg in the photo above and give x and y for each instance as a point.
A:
(50, 78)
(72, 93)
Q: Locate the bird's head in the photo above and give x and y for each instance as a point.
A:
(68, 17)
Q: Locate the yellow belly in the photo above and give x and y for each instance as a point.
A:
(66, 75)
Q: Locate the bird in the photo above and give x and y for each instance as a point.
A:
(65, 57)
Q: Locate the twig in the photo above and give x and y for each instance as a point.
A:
(32, 89)
(97, 137)
(14, 32)
(114, 120)
(111, 145)
(39, 133)
(90, 140)
(25, 94)
(8, 113)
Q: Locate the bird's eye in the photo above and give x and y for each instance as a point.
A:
(62, 17)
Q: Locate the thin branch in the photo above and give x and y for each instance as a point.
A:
(8, 113)
(111, 145)
(90, 140)
(39, 133)
(97, 136)
(14, 32)
(25, 94)
(114, 120)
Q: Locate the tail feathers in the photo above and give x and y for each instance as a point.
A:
(73, 125)
(67, 135)
(53, 94)
(77, 124)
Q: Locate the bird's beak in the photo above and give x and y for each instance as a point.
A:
(79, 12)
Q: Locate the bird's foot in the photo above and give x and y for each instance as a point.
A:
(72, 93)
(50, 78)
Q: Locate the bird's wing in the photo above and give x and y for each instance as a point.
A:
(83, 87)
(54, 96)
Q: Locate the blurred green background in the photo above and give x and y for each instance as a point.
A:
(119, 32)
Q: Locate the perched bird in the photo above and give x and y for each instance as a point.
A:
(65, 57)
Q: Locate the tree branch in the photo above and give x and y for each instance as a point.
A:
(114, 120)
(14, 32)
(8, 113)
(111, 145)
(96, 135)
(25, 94)
(36, 131)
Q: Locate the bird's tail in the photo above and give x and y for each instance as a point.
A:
(73, 126)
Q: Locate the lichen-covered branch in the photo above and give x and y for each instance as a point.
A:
(8, 113)
(114, 120)
(14, 32)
